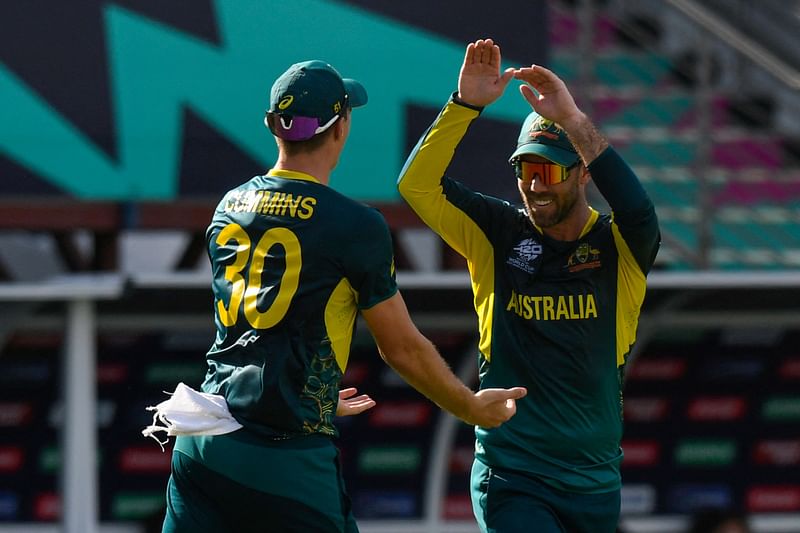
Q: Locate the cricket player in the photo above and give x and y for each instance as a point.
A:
(557, 289)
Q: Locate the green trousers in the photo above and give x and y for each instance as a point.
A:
(236, 483)
(515, 502)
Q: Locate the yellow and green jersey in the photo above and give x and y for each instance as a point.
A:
(556, 317)
(293, 261)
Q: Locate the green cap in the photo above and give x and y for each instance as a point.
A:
(314, 89)
(543, 137)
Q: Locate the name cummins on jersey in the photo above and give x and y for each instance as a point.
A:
(292, 261)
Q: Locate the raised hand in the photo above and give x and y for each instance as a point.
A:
(480, 82)
(553, 101)
(349, 404)
(495, 406)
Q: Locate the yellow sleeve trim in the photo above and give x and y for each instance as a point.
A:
(631, 286)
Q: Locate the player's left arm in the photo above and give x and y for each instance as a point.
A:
(635, 220)
(634, 215)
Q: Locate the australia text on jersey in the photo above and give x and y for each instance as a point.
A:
(270, 203)
(562, 307)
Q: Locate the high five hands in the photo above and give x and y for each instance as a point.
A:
(480, 83)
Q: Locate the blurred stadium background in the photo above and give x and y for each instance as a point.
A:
(122, 122)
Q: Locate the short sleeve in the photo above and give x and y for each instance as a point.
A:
(369, 264)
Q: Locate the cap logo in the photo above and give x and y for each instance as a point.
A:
(541, 133)
(337, 107)
(540, 127)
(285, 102)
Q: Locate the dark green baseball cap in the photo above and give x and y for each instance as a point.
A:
(308, 97)
(543, 137)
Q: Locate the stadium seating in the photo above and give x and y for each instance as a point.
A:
(644, 101)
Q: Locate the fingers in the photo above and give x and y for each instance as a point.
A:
(499, 405)
(507, 76)
(469, 56)
(496, 395)
(494, 55)
(482, 51)
(346, 393)
(361, 404)
(516, 393)
(529, 95)
(349, 405)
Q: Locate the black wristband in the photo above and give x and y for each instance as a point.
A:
(461, 102)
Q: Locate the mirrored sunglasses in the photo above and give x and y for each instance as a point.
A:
(544, 173)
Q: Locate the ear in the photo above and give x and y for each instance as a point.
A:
(584, 176)
(339, 129)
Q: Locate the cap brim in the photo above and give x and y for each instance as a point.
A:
(559, 156)
(356, 92)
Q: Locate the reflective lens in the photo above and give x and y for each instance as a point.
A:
(545, 173)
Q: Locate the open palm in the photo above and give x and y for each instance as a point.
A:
(350, 404)
(480, 82)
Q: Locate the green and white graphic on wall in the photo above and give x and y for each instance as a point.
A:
(156, 72)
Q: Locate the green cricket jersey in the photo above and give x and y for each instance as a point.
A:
(556, 317)
(293, 261)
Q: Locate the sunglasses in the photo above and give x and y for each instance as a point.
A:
(295, 128)
(544, 173)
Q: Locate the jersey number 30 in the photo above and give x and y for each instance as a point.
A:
(249, 290)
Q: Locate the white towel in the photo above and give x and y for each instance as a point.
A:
(188, 412)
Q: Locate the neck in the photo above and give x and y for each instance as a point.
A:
(314, 164)
(570, 228)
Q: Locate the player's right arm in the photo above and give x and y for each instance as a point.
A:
(418, 362)
(442, 206)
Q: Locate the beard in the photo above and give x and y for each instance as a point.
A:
(557, 211)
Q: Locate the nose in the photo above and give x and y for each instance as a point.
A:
(536, 184)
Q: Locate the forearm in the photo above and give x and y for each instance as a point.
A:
(421, 366)
(419, 182)
(615, 180)
(589, 142)
(618, 184)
